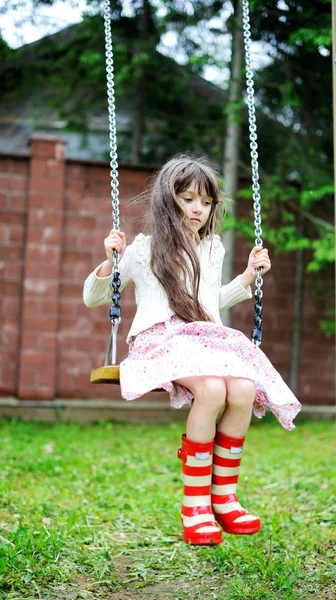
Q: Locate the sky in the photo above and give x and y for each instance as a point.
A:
(17, 30)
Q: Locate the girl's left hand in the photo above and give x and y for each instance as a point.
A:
(258, 258)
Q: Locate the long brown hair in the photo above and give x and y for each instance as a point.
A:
(172, 237)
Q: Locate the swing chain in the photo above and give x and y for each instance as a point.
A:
(257, 330)
(115, 309)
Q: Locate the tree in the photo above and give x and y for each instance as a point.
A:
(232, 141)
(66, 73)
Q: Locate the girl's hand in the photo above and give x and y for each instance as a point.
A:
(258, 258)
(116, 240)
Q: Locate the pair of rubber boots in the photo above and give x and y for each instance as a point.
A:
(210, 477)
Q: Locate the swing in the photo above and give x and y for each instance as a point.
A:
(109, 373)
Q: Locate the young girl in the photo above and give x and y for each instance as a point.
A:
(178, 342)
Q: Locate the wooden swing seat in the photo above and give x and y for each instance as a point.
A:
(107, 374)
(110, 374)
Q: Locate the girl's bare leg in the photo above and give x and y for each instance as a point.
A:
(236, 418)
(196, 454)
(209, 399)
(228, 449)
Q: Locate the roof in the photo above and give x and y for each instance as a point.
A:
(29, 111)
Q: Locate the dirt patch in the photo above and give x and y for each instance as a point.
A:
(84, 588)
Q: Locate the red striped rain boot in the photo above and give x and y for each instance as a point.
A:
(226, 466)
(198, 521)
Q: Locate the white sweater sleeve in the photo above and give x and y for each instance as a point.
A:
(232, 293)
(98, 290)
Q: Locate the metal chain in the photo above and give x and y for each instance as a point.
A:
(257, 330)
(115, 310)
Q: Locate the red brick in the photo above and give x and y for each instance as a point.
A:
(19, 166)
(4, 165)
(76, 383)
(38, 360)
(4, 201)
(89, 240)
(73, 273)
(48, 342)
(8, 381)
(45, 235)
(75, 171)
(32, 305)
(67, 307)
(99, 207)
(46, 218)
(17, 234)
(39, 322)
(71, 290)
(28, 377)
(48, 146)
(65, 340)
(98, 173)
(49, 167)
(49, 306)
(81, 309)
(31, 340)
(10, 181)
(11, 271)
(45, 199)
(9, 335)
(44, 392)
(40, 273)
(11, 288)
(10, 252)
(42, 253)
(90, 345)
(11, 218)
(6, 357)
(45, 377)
(76, 187)
(70, 238)
(18, 201)
(47, 185)
(320, 389)
(11, 306)
(5, 233)
(76, 360)
(79, 223)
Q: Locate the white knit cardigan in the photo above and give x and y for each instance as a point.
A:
(151, 299)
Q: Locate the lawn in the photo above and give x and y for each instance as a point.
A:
(92, 511)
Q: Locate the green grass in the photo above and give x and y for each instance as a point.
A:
(92, 511)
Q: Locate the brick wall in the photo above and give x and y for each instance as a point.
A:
(14, 181)
(54, 217)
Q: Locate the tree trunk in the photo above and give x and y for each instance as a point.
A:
(231, 152)
(138, 124)
(294, 375)
(139, 117)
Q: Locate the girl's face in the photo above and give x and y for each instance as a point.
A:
(197, 206)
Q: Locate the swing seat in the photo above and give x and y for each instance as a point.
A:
(106, 374)
(110, 374)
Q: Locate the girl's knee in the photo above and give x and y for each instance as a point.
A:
(240, 392)
(213, 386)
(211, 391)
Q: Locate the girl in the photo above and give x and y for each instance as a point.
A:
(177, 342)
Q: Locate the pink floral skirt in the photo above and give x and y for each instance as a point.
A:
(175, 349)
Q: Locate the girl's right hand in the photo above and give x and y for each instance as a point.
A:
(116, 240)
